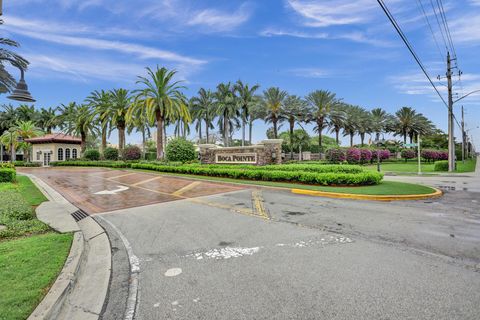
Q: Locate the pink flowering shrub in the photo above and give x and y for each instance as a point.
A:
(408, 154)
(353, 155)
(384, 155)
(336, 155)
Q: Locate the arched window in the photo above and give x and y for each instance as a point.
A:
(67, 154)
(60, 154)
(74, 153)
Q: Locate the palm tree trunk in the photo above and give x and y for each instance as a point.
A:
(144, 139)
(200, 130)
(404, 137)
(275, 133)
(121, 138)
(337, 132)
(12, 153)
(164, 138)
(351, 139)
(320, 125)
(160, 131)
(206, 129)
(83, 144)
(243, 131)
(362, 138)
(292, 124)
(104, 139)
(250, 129)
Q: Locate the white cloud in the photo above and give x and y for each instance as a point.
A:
(309, 72)
(333, 12)
(218, 20)
(466, 29)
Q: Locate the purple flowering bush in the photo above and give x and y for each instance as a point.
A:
(354, 155)
(336, 155)
(365, 155)
(384, 155)
(434, 155)
(408, 154)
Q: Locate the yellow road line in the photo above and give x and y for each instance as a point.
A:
(190, 186)
(338, 195)
(258, 204)
(145, 181)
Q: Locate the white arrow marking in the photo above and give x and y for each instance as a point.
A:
(120, 189)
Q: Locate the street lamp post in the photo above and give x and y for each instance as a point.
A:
(379, 143)
(20, 93)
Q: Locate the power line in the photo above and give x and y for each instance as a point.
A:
(447, 29)
(438, 23)
(421, 7)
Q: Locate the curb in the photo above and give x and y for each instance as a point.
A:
(79, 292)
(337, 195)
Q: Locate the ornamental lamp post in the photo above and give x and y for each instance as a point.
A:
(20, 93)
(379, 143)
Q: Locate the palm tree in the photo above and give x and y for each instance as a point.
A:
(421, 125)
(203, 107)
(27, 113)
(227, 109)
(336, 120)
(8, 117)
(381, 120)
(140, 123)
(321, 103)
(294, 111)
(26, 130)
(100, 101)
(273, 99)
(48, 119)
(246, 99)
(404, 121)
(120, 103)
(10, 140)
(352, 113)
(257, 111)
(7, 81)
(163, 99)
(364, 124)
(79, 120)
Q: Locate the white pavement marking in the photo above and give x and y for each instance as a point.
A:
(173, 272)
(120, 189)
(134, 270)
(225, 253)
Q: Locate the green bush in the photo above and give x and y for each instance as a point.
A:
(265, 174)
(441, 165)
(83, 163)
(110, 154)
(7, 175)
(14, 207)
(180, 149)
(7, 165)
(150, 156)
(91, 154)
(27, 164)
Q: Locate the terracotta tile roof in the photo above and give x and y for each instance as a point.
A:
(55, 137)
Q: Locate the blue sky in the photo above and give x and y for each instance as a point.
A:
(347, 47)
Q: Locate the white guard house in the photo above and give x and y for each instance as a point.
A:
(54, 147)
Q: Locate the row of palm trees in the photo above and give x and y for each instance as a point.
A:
(160, 101)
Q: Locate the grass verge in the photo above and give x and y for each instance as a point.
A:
(28, 267)
(383, 188)
(412, 167)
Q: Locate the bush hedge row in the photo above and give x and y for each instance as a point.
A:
(308, 177)
(319, 168)
(87, 163)
(7, 175)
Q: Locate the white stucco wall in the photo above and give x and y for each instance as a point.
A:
(53, 148)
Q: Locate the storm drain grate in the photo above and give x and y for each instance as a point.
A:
(79, 215)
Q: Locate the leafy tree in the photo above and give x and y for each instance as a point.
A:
(100, 101)
(246, 99)
(78, 120)
(203, 108)
(273, 99)
(162, 99)
(350, 121)
(381, 121)
(294, 111)
(26, 130)
(404, 119)
(227, 109)
(321, 103)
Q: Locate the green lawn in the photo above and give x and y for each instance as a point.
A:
(384, 188)
(28, 267)
(28, 190)
(412, 167)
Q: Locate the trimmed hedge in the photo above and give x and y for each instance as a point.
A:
(7, 165)
(262, 173)
(86, 163)
(7, 175)
(336, 155)
(110, 154)
(91, 154)
(441, 165)
(27, 164)
(319, 168)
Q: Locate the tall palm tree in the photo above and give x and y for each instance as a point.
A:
(273, 99)
(79, 120)
(26, 130)
(100, 101)
(7, 81)
(294, 111)
(246, 99)
(421, 125)
(364, 124)
(381, 121)
(9, 139)
(257, 111)
(404, 121)
(336, 120)
(140, 123)
(352, 113)
(8, 117)
(48, 119)
(117, 112)
(203, 107)
(163, 99)
(227, 110)
(27, 113)
(321, 103)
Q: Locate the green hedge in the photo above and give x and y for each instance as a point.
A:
(87, 163)
(7, 175)
(262, 173)
(319, 168)
(441, 165)
(26, 164)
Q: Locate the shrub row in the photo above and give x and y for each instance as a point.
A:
(319, 168)
(7, 165)
(7, 175)
(355, 155)
(86, 163)
(26, 164)
(434, 155)
(325, 178)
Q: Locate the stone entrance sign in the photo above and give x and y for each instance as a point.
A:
(245, 158)
(266, 152)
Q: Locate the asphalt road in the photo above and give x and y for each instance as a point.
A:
(258, 253)
(314, 258)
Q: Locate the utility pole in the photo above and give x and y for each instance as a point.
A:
(463, 137)
(451, 140)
